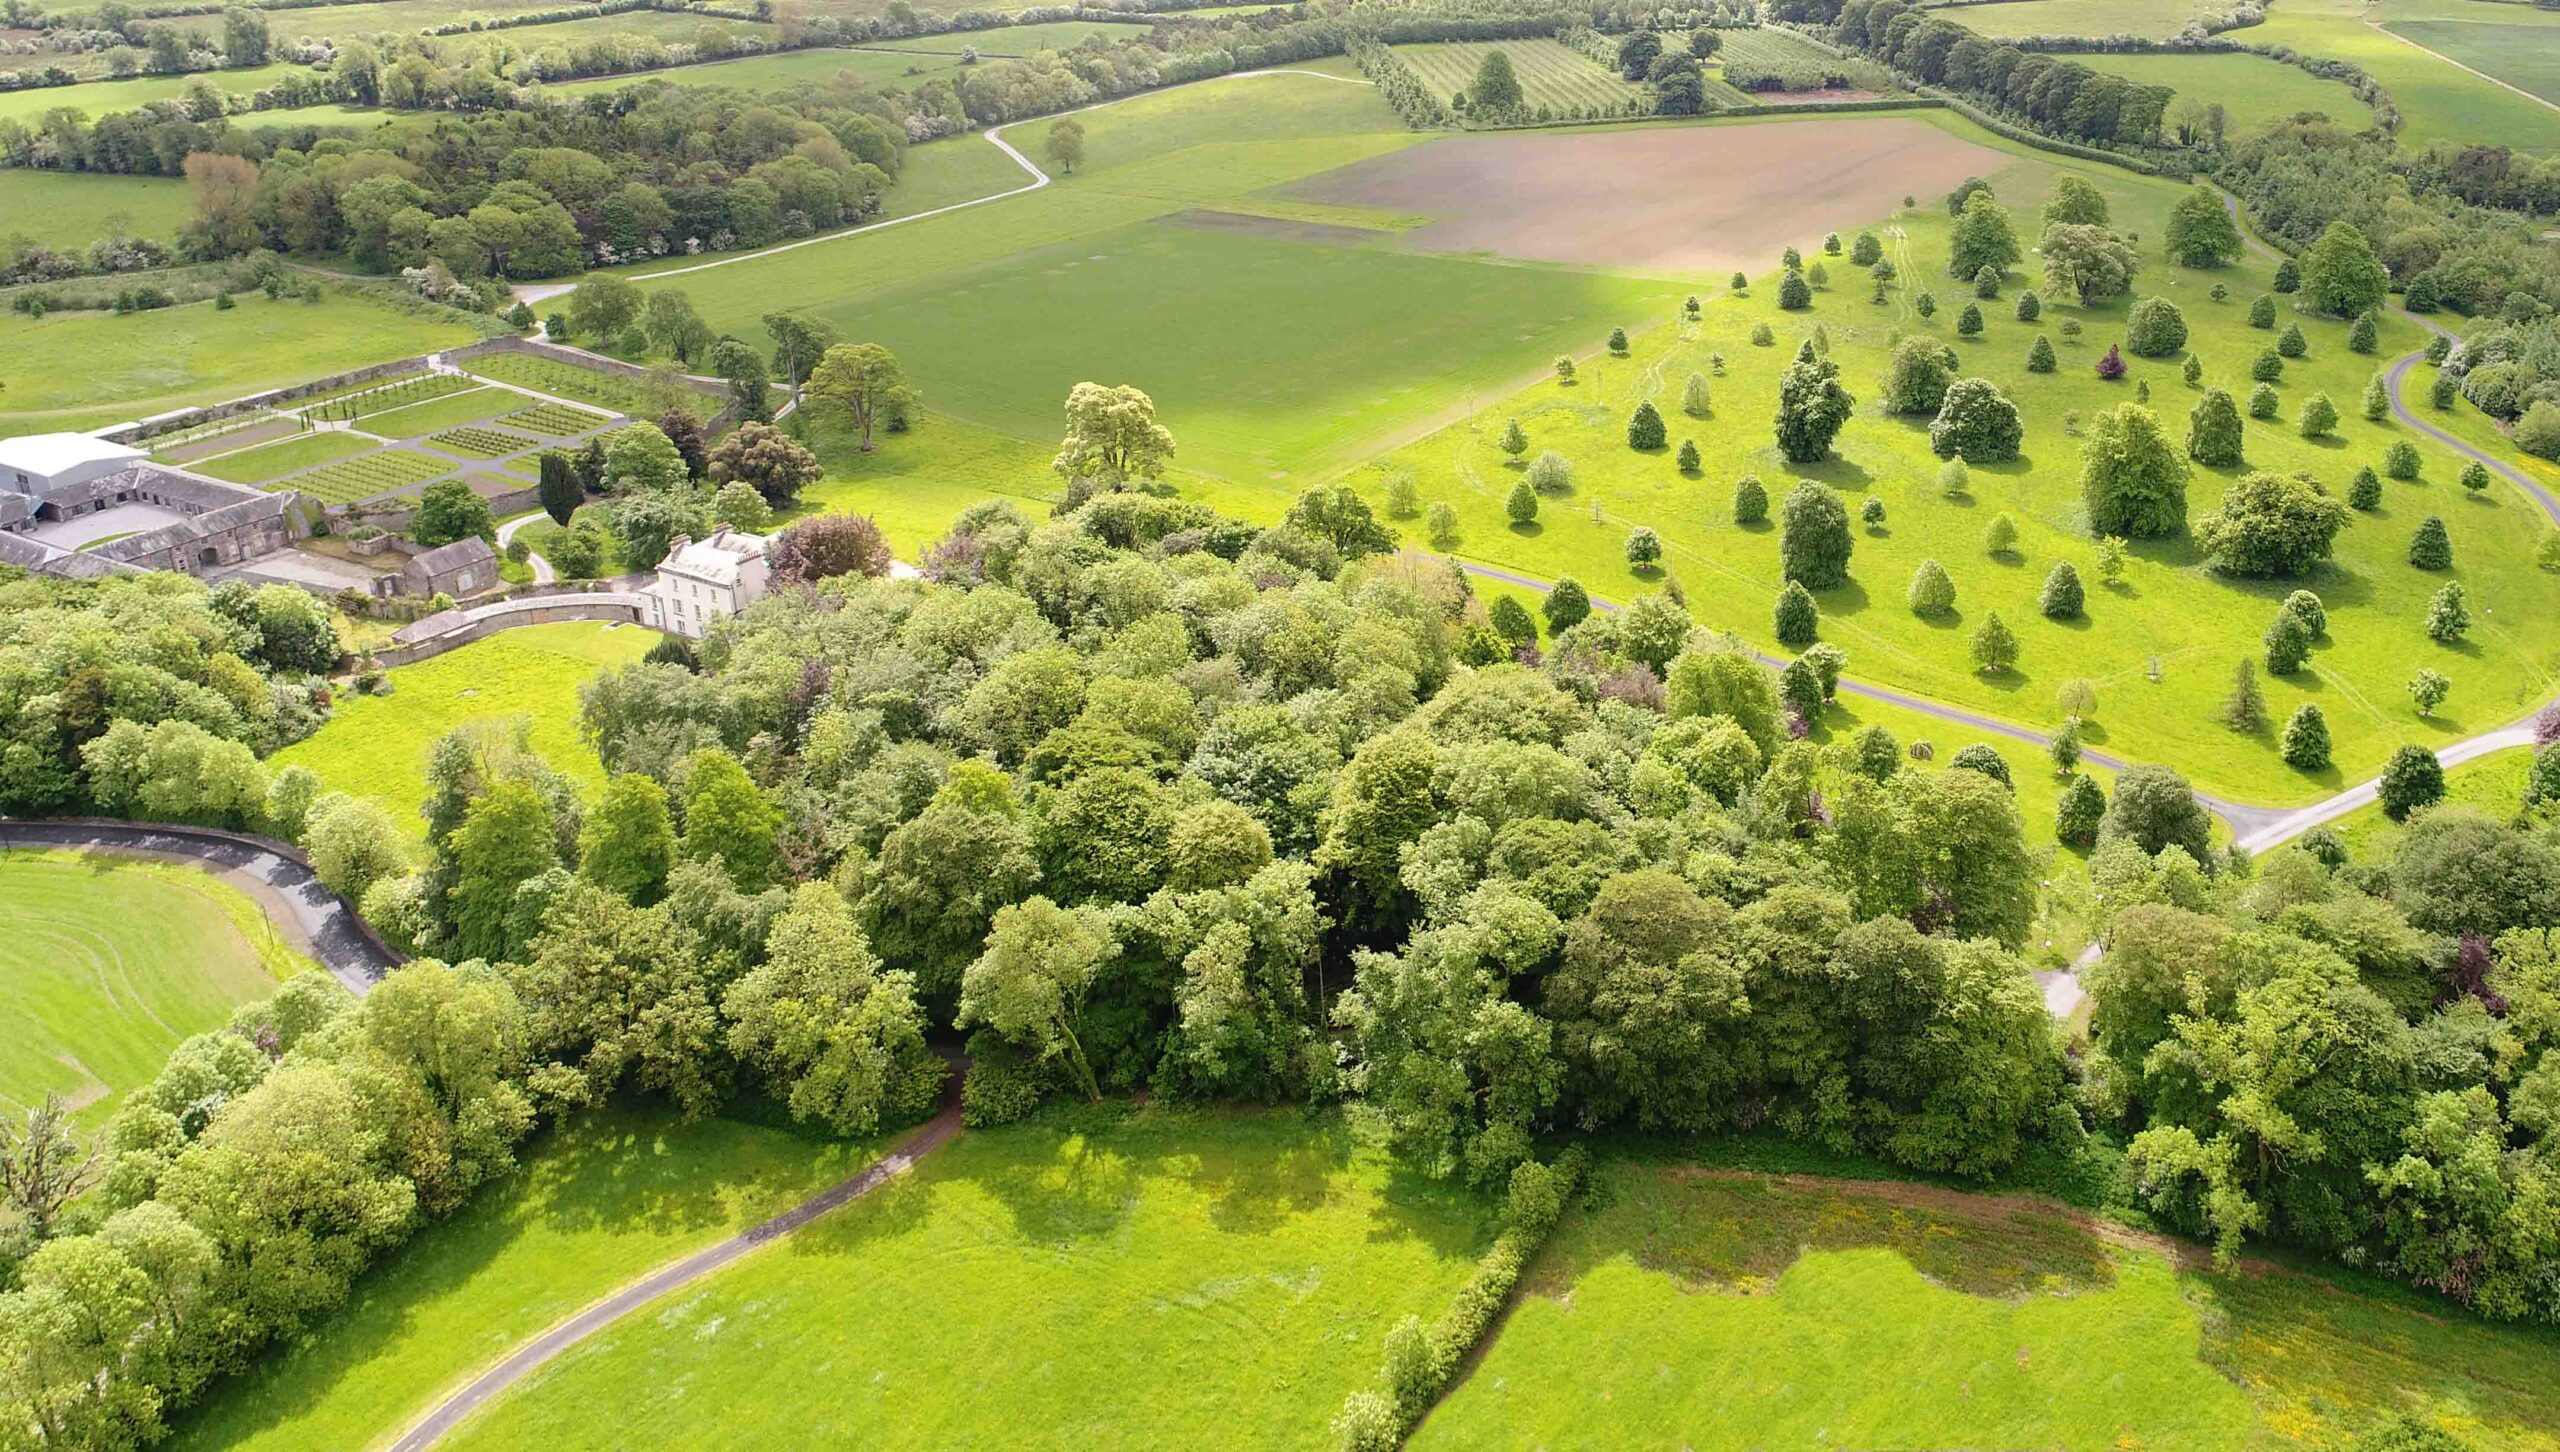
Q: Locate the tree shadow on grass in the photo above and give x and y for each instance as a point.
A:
(1841, 474)
(1529, 530)
(1844, 599)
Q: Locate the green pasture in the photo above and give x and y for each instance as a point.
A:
(598, 1202)
(354, 118)
(2522, 55)
(83, 370)
(2171, 617)
(1552, 74)
(779, 72)
(1106, 1276)
(2438, 99)
(2150, 19)
(71, 209)
(416, 419)
(1020, 40)
(97, 98)
(2254, 91)
(271, 461)
(376, 746)
(107, 963)
(1680, 1307)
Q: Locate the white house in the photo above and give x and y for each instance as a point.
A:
(48, 468)
(707, 579)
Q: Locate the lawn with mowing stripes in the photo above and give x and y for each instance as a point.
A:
(107, 963)
(367, 475)
(1552, 74)
(555, 420)
(482, 443)
(417, 420)
(381, 395)
(271, 461)
(376, 746)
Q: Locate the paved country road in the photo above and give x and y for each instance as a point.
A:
(317, 922)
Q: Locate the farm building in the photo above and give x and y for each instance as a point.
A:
(43, 472)
(464, 567)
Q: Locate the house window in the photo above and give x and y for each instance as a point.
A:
(462, 583)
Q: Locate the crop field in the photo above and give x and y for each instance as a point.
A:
(1552, 74)
(1914, 1317)
(2254, 91)
(376, 746)
(608, 391)
(108, 963)
(1118, 1278)
(102, 369)
(382, 395)
(2526, 56)
(1787, 54)
(555, 420)
(2160, 649)
(482, 443)
(414, 420)
(2438, 99)
(367, 475)
(598, 1201)
(71, 209)
(780, 72)
(270, 461)
(97, 98)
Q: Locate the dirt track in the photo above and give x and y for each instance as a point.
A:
(1671, 201)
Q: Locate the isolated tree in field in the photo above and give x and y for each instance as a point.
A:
(2448, 614)
(1618, 342)
(2075, 201)
(1986, 284)
(558, 490)
(1932, 591)
(1566, 606)
(1969, 322)
(2111, 366)
(1678, 89)
(2340, 275)
(865, 381)
(2030, 306)
(1522, 505)
(2077, 815)
(2364, 492)
(1866, 251)
(2040, 357)
(1916, 376)
(1693, 396)
(1515, 439)
(2132, 480)
(1644, 428)
(2087, 262)
(1690, 462)
(2430, 548)
(2428, 688)
(1442, 522)
(2291, 344)
(2288, 276)
(1813, 549)
(1982, 238)
(2155, 329)
(2474, 476)
(2305, 743)
(2307, 607)
(2377, 401)
(1750, 500)
(1404, 497)
(2366, 335)
(2063, 596)
(2192, 371)
(2244, 709)
(1564, 370)
(767, 458)
(1995, 647)
(1925, 303)
(2413, 778)
(602, 307)
(798, 344)
(1811, 408)
(1794, 293)
(1644, 548)
(2264, 402)
(2111, 562)
(1112, 437)
(2271, 524)
(1977, 424)
(1550, 473)
(1795, 620)
(2214, 433)
(2288, 643)
(1064, 144)
(2201, 232)
(674, 327)
(1871, 513)
(2000, 536)
(448, 510)
(2319, 417)
(1637, 53)
(2262, 311)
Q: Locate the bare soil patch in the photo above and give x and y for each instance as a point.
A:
(1671, 201)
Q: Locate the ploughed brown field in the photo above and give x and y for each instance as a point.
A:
(1672, 200)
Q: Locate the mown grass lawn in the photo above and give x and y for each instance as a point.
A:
(417, 420)
(779, 72)
(270, 461)
(2438, 100)
(2254, 91)
(106, 964)
(2494, 784)
(1096, 1278)
(598, 1202)
(2160, 648)
(82, 370)
(2520, 55)
(1714, 1310)
(71, 209)
(376, 746)
(2151, 19)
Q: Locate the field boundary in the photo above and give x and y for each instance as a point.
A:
(2457, 65)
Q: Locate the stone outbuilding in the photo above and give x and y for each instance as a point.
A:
(464, 567)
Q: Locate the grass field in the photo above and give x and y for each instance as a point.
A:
(1020, 40)
(2151, 19)
(2172, 616)
(82, 370)
(2254, 91)
(1552, 74)
(597, 1203)
(1715, 1311)
(779, 72)
(108, 963)
(608, 391)
(376, 746)
(367, 475)
(71, 209)
(381, 395)
(2439, 100)
(412, 420)
(2492, 783)
(2520, 55)
(1096, 1278)
(269, 461)
(97, 98)
(556, 420)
